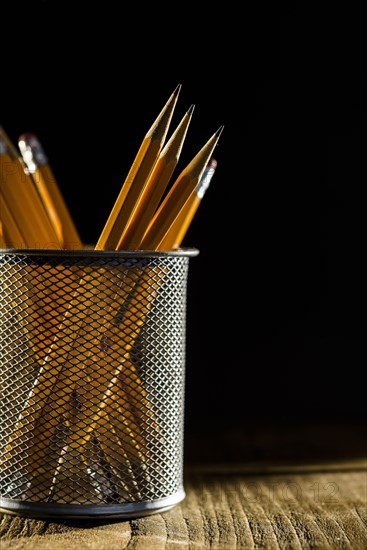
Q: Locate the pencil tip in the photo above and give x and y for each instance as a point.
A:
(219, 131)
(177, 90)
(191, 109)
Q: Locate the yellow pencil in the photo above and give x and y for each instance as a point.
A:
(49, 191)
(138, 174)
(182, 222)
(11, 235)
(177, 196)
(23, 200)
(155, 186)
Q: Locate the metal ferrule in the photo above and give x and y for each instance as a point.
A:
(32, 152)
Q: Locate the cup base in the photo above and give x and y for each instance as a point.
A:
(130, 510)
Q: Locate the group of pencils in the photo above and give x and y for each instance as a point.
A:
(76, 383)
(150, 213)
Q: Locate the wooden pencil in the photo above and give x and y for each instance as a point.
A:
(155, 186)
(11, 234)
(175, 236)
(23, 200)
(40, 170)
(177, 196)
(138, 174)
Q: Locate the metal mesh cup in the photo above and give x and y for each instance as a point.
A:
(92, 350)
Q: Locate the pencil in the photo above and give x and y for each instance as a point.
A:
(138, 174)
(23, 200)
(177, 196)
(155, 186)
(40, 170)
(11, 235)
(181, 224)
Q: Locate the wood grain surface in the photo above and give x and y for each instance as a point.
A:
(230, 506)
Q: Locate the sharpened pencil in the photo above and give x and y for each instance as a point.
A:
(138, 174)
(181, 224)
(155, 186)
(177, 196)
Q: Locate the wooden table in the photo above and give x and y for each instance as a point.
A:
(312, 494)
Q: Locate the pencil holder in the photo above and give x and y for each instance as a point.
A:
(92, 348)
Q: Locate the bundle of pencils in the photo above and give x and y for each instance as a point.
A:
(35, 215)
(150, 214)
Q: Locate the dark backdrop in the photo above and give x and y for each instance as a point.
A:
(276, 325)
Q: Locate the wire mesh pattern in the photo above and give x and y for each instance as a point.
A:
(92, 349)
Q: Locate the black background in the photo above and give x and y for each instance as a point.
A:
(276, 320)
